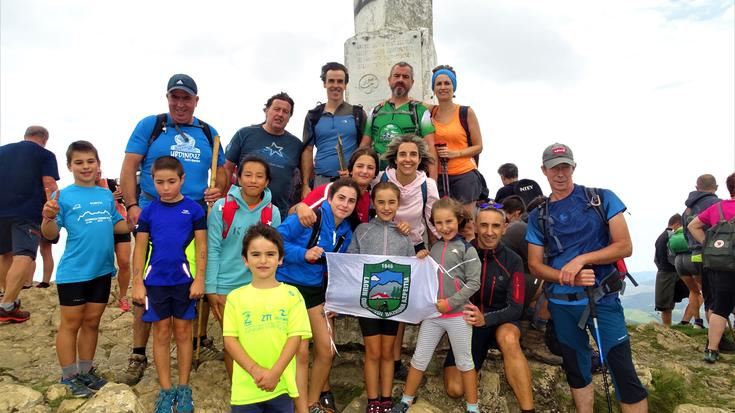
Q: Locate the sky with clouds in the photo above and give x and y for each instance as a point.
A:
(643, 91)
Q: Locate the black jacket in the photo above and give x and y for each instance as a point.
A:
(501, 292)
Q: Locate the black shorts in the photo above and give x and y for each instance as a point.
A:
(375, 326)
(19, 236)
(96, 290)
(685, 266)
(483, 339)
(313, 296)
(121, 237)
(464, 188)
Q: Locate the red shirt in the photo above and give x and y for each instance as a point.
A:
(319, 195)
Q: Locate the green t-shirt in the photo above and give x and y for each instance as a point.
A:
(390, 122)
(263, 320)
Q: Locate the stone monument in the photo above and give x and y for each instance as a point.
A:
(387, 32)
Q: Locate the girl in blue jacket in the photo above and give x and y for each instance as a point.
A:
(305, 268)
(229, 220)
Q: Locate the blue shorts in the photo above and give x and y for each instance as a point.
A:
(615, 345)
(163, 302)
(280, 404)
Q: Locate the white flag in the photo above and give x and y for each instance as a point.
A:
(380, 286)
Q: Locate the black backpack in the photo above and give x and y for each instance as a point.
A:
(314, 114)
(161, 126)
(316, 230)
(718, 252)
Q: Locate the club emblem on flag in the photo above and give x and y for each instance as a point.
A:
(385, 288)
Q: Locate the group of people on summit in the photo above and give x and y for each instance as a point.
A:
(247, 228)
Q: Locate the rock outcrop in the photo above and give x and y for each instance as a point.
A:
(668, 362)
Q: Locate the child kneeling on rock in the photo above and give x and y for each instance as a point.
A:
(168, 290)
(264, 323)
(86, 269)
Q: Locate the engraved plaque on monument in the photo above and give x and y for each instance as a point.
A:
(387, 32)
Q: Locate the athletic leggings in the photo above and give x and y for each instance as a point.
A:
(431, 332)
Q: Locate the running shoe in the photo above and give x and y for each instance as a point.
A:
(711, 356)
(386, 406)
(78, 389)
(184, 402)
(400, 407)
(14, 315)
(327, 401)
(165, 401)
(92, 380)
(374, 407)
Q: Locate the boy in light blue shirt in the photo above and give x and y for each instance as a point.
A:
(86, 269)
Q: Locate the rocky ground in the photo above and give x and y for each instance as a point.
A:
(668, 361)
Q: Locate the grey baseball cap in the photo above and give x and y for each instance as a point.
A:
(557, 154)
(182, 82)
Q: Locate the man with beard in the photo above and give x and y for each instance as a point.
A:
(399, 115)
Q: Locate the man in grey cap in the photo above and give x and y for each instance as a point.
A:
(190, 140)
(574, 240)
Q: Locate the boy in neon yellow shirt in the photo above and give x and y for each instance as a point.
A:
(264, 323)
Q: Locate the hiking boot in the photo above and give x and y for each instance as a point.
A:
(208, 351)
(78, 389)
(711, 356)
(535, 348)
(124, 304)
(318, 408)
(327, 401)
(165, 401)
(136, 367)
(14, 315)
(400, 407)
(386, 406)
(92, 380)
(698, 323)
(374, 407)
(184, 402)
(400, 374)
(595, 365)
(43, 284)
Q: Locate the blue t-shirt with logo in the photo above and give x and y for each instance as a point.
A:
(191, 148)
(88, 214)
(323, 136)
(579, 230)
(281, 152)
(170, 227)
(24, 164)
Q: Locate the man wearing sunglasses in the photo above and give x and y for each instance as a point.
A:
(574, 248)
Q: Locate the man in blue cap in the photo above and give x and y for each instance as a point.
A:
(190, 140)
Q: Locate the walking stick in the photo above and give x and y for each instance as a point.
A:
(603, 367)
(444, 166)
(212, 181)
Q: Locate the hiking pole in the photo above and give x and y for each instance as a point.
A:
(593, 314)
(212, 182)
(444, 166)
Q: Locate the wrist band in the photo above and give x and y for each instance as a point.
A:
(127, 207)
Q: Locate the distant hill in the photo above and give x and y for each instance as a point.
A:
(639, 302)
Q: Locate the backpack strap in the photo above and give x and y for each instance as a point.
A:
(359, 115)
(424, 198)
(158, 128)
(266, 214)
(594, 200)
(413, 108)
(315, 230)
(312, 117)
(228, 215)
(208, 133)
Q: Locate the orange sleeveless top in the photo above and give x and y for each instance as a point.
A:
(454, 135)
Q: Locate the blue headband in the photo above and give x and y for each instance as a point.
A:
(449, 73)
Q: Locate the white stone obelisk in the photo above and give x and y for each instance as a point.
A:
(387, 32)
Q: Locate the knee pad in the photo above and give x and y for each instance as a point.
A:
(628, 387)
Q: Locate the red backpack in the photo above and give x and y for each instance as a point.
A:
(231, 206)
